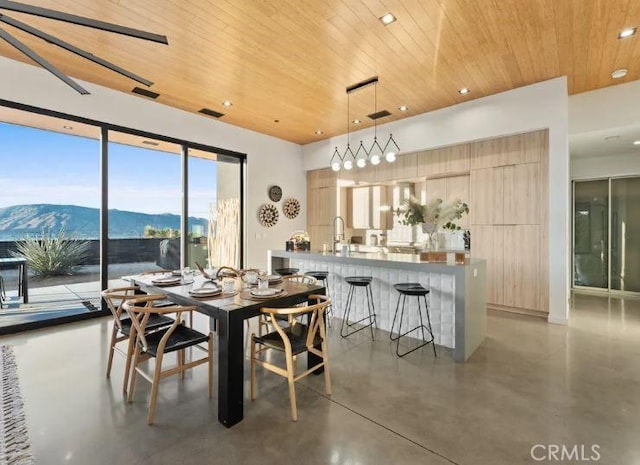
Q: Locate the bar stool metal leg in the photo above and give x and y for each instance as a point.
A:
(371, 317)
(412, 289)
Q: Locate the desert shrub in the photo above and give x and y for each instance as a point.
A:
(53, 254)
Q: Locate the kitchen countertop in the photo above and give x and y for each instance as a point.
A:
(393, 260)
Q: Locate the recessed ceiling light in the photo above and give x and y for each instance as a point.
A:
(227, 103)
(319, 132)
(387, 19)
(637, 142)
(619, 73)
(628, 32)
(403, 108)
(464, 91)
(67, 127)
(356, 121)
(276, 120)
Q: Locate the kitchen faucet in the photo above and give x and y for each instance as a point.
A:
(337, 237)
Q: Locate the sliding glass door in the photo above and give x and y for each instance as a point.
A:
(606, 234)
(625, 234)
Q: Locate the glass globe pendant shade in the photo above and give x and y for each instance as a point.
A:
(391, 152)
(375, 153)
(336, 161)
(348, 158)
(361, 156)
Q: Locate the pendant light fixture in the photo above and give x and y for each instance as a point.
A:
(363, 156)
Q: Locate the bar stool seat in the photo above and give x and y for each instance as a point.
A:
(324, 277)
(412, 290)
(354, 283)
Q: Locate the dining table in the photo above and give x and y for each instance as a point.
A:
(227, 315)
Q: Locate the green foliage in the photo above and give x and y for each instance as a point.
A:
(435, 211)
(162, 233)
(53, 254)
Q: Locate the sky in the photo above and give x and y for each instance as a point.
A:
(38, 166)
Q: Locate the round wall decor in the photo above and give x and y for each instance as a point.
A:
(275, 193)
(291, 208)
(268, 215)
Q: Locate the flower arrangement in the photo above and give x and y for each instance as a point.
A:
(435, 212)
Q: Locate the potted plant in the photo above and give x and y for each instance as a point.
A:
(431, 216)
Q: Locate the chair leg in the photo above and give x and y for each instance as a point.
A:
(134, 373)
(253, 368)
(372, 310)
(180, 356)
(325, 359)
(210, 365)
(114, 333)
(292, 387)
(154, 389)
(347, 310)
(433, 339)
(127, 366)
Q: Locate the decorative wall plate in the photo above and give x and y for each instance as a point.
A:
(275, 193)
(291, 208)
(268, 215)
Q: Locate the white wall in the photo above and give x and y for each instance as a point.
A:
(269, 160)
(542, 105)
(606, 166)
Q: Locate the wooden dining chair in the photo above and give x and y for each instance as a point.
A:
(263, 321)
(123, 330)
(293, 340)
(176, 338)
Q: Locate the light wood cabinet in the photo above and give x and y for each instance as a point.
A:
(446, 160)
(522, 266)
(488, 242)
(487, 194)
(510, 150)
(522, 193)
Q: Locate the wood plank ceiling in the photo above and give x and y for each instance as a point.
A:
(285, 63)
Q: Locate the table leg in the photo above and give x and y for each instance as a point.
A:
(25, 283)
(230, 370)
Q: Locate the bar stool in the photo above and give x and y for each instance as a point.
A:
(324, 277)
(286, 271)
(355, 282)
(417, 290)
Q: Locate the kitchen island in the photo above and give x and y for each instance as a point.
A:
(457, 299)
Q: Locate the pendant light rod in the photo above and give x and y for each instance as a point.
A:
(362, 84)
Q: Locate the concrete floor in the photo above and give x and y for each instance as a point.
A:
(529, 383)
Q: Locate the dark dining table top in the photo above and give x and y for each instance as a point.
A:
(238, 303)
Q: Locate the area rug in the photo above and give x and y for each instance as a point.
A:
(15, 447)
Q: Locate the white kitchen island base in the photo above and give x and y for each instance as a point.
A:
(457, 297)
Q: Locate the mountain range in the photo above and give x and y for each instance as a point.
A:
(18, 221)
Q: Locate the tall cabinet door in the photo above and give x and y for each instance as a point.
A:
(487, 206)
(487, 242)
(522, 266)
(521, 187)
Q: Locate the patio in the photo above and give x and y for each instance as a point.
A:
(60, 296)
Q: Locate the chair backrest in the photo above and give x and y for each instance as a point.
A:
(141, 309)
(316, 321)
(114, 299)
(300, 278)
